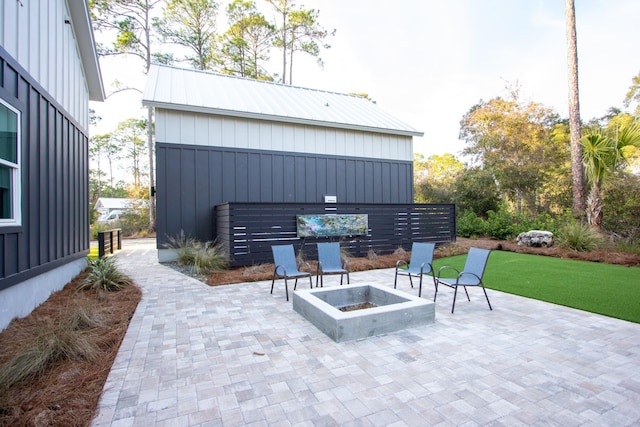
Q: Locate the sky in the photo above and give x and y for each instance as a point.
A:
(428, 62)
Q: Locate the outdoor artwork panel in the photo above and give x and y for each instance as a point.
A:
(332, 225)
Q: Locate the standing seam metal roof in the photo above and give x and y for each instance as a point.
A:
(198, 91)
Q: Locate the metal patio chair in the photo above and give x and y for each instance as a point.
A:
(286, 267)
(330, 262)
(420, 264)
(471, 275)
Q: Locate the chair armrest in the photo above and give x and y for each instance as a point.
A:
(446, 267)
(423, 265)
(400, 263)
(275, 270)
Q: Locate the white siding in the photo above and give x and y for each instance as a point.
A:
(36, 36)
(179, 127)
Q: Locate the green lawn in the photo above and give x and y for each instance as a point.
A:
(601, 288)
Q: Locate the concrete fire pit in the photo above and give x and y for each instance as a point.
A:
(394, 310)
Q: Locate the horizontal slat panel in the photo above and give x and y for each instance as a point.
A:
(250, 229)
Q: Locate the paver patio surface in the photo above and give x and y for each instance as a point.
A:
(236, 355)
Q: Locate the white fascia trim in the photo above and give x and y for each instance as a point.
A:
(293, 120)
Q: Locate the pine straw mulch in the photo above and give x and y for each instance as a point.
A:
(67, 393)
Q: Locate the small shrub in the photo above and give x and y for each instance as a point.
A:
(205, 257)
(103, 275)
(97, 227)
(470, 225)
(578, 237)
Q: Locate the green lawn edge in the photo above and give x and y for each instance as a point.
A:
(607, 289)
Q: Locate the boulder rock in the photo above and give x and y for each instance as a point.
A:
(537, 238)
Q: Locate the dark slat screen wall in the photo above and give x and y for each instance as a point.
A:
(248, 230)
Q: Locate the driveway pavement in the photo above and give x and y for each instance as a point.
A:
(236, 355)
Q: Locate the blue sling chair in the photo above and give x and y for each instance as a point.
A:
(471, 275)
(286, 267)
(330, 262)
(419, 264)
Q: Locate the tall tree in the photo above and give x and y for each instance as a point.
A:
(298, 31)
(435, 177)
(633, 95)
(131, 21)
(130, 134)
(604, 152)
(513, 141)
(246, 44)
(192, 24)
(574, 110)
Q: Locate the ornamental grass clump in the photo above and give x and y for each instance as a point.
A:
(210, 257)
(69, 338)
(578, 237)
(205, 257)
(104, 275)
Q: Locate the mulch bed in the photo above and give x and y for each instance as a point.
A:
(68, 392)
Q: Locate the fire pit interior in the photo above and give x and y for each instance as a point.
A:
(392, 310)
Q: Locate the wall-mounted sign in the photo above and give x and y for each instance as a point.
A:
(331, 199)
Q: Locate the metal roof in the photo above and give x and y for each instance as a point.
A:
(204, 92)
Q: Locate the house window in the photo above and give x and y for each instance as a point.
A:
(9, 165)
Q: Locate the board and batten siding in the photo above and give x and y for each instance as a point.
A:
(179, 127)
(193, 179)
(36, 35)
(54, 182)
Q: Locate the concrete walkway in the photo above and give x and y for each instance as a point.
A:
(235, 356)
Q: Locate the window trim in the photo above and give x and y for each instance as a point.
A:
(16, 215)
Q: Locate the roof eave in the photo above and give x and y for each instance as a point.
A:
(294, 120)
(86, 44)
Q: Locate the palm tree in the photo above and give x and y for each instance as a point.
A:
(603, 152)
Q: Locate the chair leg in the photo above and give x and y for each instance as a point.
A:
(420, 287)
(435, 294)
(348, 282)
(341, 277)
(487, 297)
(395, 281)
(311, 282)
(286, 288)
(465, 291)
(410, 281)
(455, 294)
(272, 282)
(295, 284)
(317, 278)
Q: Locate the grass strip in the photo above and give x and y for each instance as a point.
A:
(611, 290)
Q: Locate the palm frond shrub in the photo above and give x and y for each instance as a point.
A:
(578, 237)
(104, 275)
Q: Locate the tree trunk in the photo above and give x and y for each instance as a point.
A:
(152, 197)
(594, 207)
(574, 110)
